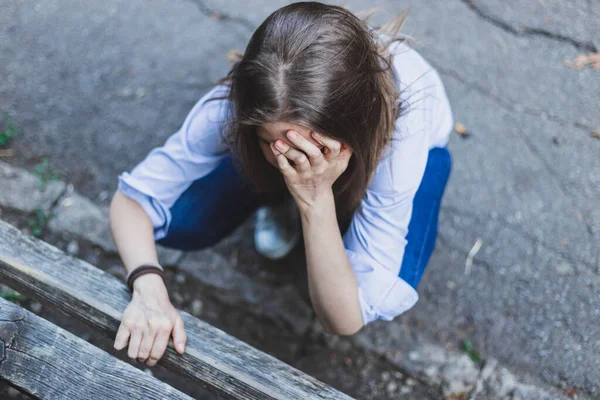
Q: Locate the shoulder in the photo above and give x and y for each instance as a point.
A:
(410, 66)
(211, 107)
(203, 125)
(424, 104)
(426, 107)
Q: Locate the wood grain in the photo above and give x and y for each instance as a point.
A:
(48, 362)
(212, 358)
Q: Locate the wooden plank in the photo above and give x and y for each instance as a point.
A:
(212, 358)
(48, 362)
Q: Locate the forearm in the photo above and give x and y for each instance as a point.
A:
(133, 235)
(332, 283)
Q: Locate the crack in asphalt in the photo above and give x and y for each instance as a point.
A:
(529, 31)
(527, 110)
(221, 16)
(509, 104)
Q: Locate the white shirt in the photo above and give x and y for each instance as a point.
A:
(376, 238)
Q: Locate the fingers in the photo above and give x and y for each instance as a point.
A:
(333, 146)
(122, 337)
(161, 340)
(313, 152)
(179, 335)
(146, 345)
(283, 153)
(134, 343)
(148, 336)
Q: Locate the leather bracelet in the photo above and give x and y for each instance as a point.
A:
(142, 270)
(141, 265)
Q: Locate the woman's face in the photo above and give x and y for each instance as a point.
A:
(269, 133)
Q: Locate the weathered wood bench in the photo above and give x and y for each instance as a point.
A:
(48, 362)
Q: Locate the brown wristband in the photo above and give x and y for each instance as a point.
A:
(142, 270)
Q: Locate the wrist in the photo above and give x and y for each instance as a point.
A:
(148, 283)
(322, 206)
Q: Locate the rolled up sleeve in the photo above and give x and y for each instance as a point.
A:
(136, 189)
(381, 293)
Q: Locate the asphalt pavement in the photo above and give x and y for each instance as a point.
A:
(95, 85)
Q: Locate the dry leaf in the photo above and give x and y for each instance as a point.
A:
(579, 62)
(572, 391)
(457, 396)
(596, 134)
(234, 56)
(461, 130)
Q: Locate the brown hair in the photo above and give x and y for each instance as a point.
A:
(322, 67)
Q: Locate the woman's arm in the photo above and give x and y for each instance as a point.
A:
(332, 283)
(132, 233)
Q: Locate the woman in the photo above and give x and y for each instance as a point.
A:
(349, 123)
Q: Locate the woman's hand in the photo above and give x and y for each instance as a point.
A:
(313, 172)
(148, 322)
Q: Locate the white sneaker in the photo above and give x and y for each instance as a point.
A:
(277, 229)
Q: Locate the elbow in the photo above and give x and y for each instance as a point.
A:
(342, 329)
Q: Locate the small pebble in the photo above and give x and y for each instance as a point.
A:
(73, 247)
(103, 195)
(564, 268)
(405, 389)
(391, 387)
(180, 278)
(36, 307)
(385, 376)
(141, 92)
(410, 382)
(196, 307)
(125, 92)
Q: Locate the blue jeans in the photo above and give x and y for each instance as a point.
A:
(214, 205)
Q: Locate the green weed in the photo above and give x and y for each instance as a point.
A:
(13, 296)
(46, 174)
(10, 131)
(38, 222)
(471, 351)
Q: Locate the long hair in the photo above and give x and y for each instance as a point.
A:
(322, 67)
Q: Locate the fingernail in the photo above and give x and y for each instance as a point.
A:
(280, 145)
(292, 134)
